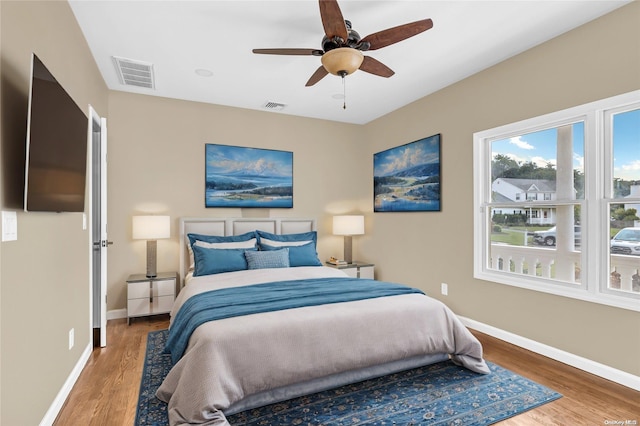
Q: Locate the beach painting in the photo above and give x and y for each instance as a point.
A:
(248, 177)
(407, 178)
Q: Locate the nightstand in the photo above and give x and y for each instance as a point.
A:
(150, 296)
(356, 269)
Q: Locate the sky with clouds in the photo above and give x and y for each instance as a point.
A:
(423, 151)
(233, 160)
(540, 147)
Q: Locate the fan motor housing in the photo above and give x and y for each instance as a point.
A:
(353, 40)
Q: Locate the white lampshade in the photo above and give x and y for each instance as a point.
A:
(348, 225)
(151, 227)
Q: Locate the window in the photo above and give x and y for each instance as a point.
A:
(622, 127)
(578, 169)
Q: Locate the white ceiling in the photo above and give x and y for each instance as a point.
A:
(180, 37)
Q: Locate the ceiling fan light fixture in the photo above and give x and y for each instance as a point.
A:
(342, 61)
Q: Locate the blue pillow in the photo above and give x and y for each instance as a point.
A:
(304, 255)
(303, 236)
(268, 259)
(220, 239)
(210, 261)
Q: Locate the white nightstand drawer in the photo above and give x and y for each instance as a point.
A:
(164, 288)
(366, 272)
(139, 290)
(137, 307)
(140, 307)
(356, 269)
(161, 304)
(352, 272)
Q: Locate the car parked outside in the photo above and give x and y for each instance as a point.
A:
(548, 237)
(626, 241)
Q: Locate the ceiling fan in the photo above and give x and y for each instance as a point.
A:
(342, 46)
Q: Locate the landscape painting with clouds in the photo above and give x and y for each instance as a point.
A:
(248, 177)
(407, 178)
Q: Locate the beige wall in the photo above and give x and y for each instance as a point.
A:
(598, 60)
(156, 165)
(44, 276)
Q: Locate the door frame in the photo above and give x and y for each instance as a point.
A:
(97, 122)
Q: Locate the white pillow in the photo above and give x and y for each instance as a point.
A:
(228, 245)
(274, 243)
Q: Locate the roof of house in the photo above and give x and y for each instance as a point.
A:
(499, 198)
(539, 185)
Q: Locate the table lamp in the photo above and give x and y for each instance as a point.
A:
(348, 225)
(151, 228)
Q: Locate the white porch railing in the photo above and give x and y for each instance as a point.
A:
(625, 273)
(538, 261)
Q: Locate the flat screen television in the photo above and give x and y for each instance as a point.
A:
(56, 154)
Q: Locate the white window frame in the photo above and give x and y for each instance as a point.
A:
(598, 171)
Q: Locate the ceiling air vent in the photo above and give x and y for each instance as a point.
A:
(134, 73)
(274, 106)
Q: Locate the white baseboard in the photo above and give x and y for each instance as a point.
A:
(593, 367)
(58, 402)
(116, 314)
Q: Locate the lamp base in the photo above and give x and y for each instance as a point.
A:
(348, 252)
(152, 247)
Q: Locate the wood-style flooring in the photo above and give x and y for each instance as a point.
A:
(106, 392)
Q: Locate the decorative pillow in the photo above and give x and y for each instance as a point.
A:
(222, 242)
(304, 255)
(210, 261)
(267, 259)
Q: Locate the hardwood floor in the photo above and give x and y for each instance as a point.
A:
(107, 390)
(587, 399)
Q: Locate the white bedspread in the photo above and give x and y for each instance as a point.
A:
(230, 359)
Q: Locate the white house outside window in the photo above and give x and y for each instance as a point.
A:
(579, 171)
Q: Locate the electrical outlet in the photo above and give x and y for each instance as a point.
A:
(71, 338)
(444, 289)
(9, 226)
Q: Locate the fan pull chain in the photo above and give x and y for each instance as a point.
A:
(344, 93)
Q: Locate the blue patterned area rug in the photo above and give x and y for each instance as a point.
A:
(438, 394)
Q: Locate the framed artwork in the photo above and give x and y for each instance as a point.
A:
(407, 178)
(248, 177)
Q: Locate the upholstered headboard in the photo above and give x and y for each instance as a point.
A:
(236, 226)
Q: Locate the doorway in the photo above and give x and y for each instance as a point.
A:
(98, 226)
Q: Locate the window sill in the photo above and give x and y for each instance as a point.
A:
(561, 289)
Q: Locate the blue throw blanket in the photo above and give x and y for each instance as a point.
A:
(268, 297)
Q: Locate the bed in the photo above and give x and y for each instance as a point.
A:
(284, 325)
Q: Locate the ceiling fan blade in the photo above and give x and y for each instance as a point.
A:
(373, 66)
(303, 52)
(332, 19)
(393, 35)
(317, 76)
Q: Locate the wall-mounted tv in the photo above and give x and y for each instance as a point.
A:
(56, 155)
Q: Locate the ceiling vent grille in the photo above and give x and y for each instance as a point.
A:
(274, 106)
(134, 73)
